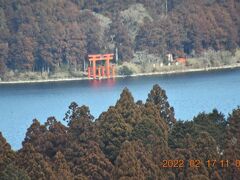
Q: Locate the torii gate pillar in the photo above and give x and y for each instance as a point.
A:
(101, 70)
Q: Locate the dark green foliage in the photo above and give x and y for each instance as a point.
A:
(80, 123)
(183, 31)
(43, 36)
(6, 154)
(83, 152)
(61, 168)
(128, 141)
(125, 71)
(214, 123)
(152, 128)
(122, 40)
(128, 108)
(179, 132)
(145, 129)
(12, 172)
(34, 163)
(2, 69)
(232, 147)
(158, 97)
(113, 132)
(127, 165)
(48, 138)
(206, 147)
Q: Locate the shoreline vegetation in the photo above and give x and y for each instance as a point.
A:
(55, 41)
(176, 71)
(140, 65)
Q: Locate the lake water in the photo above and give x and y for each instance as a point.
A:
(188, 93)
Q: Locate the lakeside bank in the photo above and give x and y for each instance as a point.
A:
(179, 71)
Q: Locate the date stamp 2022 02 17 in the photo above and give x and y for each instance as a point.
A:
(196, 163)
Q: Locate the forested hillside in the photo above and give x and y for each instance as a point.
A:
(44, 35)
(131, 140)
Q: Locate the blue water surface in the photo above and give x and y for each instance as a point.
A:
(188, 93)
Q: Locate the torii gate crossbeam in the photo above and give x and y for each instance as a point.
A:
(92, 71)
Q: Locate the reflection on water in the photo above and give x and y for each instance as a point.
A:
(188, 94)
(96, 83)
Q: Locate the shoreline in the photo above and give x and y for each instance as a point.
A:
(124, 76)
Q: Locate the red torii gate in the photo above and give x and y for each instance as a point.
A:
(92, 71)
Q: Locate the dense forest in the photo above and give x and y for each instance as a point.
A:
(131, 140)
(44, 35)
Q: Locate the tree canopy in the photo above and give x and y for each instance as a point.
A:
(131, 140)
(47, 35)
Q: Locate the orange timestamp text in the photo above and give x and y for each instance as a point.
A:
(196, 163)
